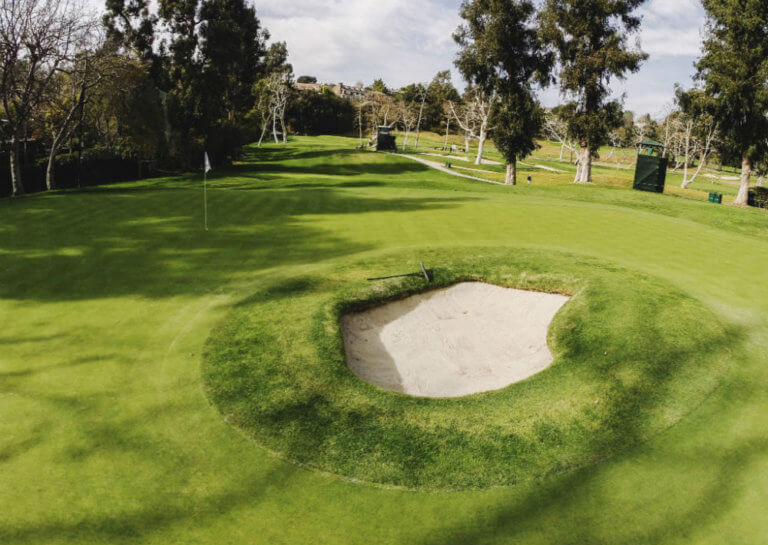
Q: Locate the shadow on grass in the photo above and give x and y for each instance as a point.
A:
(149, 242)
(525, 514)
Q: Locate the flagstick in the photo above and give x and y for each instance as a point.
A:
(205, 196)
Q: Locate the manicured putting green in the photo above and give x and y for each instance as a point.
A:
(632, 356)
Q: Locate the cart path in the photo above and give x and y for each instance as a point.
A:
(441, 168)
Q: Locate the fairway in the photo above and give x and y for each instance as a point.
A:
(164, 384)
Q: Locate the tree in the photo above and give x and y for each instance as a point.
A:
(232, 46)
(381, 108)
(205, 57)
(379, 86)
(36, 37)
(130, 24)
(439, 92)
(320, 113)
(71, 89)
(127, 111)
(733, 70)
(413, 99)
(502, 56)
(306, 79)
(474, 118)
(556, 129)
(590, 38)
(697, 129)
(407, 114)
(279, 89)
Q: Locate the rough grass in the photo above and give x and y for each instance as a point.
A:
(107, 297)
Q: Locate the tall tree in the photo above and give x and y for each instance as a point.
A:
(591, 39)
(36, 37)
(379, 86)
(699, 127)
(734, 72)
(440, 91)
(233, 48)
(71, 89)
(501, 54)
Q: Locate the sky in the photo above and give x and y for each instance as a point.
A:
(406, 41)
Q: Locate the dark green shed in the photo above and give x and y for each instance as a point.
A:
(651, 173)
(385, 140)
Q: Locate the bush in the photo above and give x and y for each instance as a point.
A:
(758, 197)
(99, 166)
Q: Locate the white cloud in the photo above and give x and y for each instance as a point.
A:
(400, 40)
(404, 41)
(672, 28)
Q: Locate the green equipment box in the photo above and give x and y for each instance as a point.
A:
(385, 140)
(651, 173)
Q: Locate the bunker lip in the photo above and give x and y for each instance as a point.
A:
(470, 338)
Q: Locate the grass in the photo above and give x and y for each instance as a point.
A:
(615, 167)
(107, 298)
(634, 356)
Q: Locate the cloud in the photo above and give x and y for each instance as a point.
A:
(672, 28)
(358, 40)
(405, 41)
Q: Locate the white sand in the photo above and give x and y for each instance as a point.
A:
(469, 338)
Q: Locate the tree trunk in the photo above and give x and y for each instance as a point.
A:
(584, 173)
(16, 182)
(466, 144)
(274, 127)
(418, 124)
(702, 160)
(688, 129)
(264, 127)
(405, 142)
(360, 126)
(562, 150)
(746, 171)
(480, 147)
(50, 179)
(511, 177)
(447, 132)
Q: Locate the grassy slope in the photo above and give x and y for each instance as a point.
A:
(106, 299)
(615, 167)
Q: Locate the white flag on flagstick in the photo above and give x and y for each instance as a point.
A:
(207, 163)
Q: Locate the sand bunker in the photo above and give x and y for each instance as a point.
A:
(469, 338)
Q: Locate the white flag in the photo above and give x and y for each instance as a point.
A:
(207, 163)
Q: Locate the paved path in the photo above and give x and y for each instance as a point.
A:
(542, 167)
(459, 158)
(441, 168)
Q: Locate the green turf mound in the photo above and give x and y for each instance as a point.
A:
(632, 356)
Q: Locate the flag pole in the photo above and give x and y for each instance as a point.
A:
(206, 168)
(205, 196)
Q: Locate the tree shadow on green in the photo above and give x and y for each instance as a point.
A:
(152, 243)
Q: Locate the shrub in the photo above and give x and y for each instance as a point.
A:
(758, 197)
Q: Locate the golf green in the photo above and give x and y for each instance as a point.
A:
(141, 360)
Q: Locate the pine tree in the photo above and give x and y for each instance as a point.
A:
(734, 72)
(502, 56)
(590, 38)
